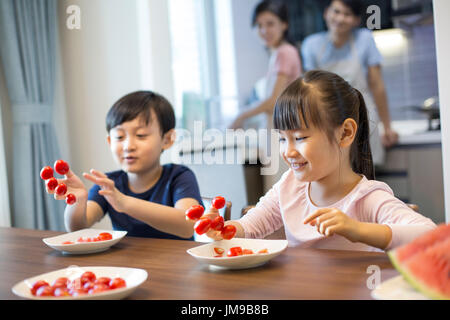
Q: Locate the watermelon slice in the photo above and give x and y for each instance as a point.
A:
(425, 262)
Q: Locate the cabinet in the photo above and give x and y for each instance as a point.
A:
(414, 173)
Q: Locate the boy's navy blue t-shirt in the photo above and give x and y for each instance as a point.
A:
(176, 182)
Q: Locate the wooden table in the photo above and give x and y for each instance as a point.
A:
(174, 274)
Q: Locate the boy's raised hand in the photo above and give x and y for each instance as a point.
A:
(107, 188)
(329, 221)
(74, 185)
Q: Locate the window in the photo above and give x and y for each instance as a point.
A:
(203, 61)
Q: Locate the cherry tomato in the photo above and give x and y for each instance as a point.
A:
(202, 225)
(228, 232)
(44, 291)
(263, 251)
(218, 202)
(117, 283)
(247, 251)
(61, 292)
(61, 167)
(88, 286)
(217, 223)
(88, 276)
(61, 189)
(68, 242)
(194, 212)
(77, 292)
(75, 284)
(105, 236)
(97, 288)
(37, 285)
(61, 282)
(104, 280)
(51, 183)
(46, 173)
(219, 250)
(71, 199)
(234, 251)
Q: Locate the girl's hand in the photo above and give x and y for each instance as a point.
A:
(74, 185)
(330, 221)
(107, 189)
(213, 234)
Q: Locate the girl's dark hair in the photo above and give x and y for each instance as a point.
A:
(278, 8)
(324, 100)
(140, 104)
(356, 6)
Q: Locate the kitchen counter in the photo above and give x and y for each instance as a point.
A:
(414, 132)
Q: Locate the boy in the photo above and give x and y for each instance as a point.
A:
(144, 198)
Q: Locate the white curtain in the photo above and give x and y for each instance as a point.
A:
(5, 212)
(28, 34)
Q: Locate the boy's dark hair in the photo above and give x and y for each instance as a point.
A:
(140, 104)
(278, 8)
(324, 100)
(356, 6)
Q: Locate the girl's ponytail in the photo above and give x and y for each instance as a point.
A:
(361, 155)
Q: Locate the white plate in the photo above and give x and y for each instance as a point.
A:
(205, 253)
(133, 277)
(397, 288)
(83, 247)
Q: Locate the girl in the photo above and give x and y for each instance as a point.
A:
(327, 199)
(351, 52)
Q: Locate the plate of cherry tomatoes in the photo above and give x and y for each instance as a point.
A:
(238, 253)
(85, 241)
(76, 283)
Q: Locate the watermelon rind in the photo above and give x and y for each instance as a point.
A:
(411, 279)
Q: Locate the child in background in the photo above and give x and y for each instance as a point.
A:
(145, 198)
(327, 199)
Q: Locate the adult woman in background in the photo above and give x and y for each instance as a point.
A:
(351, 52)
(271, 19)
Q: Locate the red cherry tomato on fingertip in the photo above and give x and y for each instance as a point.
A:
(51, 183)
(217, 223)
(202, 225)
(218, 202)
(61, 189)
(194, 212)
(46, 172)
(228, 232)
(71, 199)
(61, 167)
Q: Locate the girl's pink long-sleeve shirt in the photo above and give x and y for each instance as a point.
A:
(288, 203)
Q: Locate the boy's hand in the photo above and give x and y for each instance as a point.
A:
(330, 221)
(107, 189)
(74, 185)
